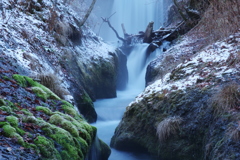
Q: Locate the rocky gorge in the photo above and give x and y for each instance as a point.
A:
(52, 69)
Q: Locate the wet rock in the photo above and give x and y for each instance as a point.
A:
(83, 103)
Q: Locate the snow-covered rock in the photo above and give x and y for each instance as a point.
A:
(191, 109)
(44, 37)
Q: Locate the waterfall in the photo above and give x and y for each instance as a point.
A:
(134, 14)
(110, 111)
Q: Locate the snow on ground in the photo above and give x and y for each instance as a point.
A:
(209, 62)
(25, 37)
(29, 39)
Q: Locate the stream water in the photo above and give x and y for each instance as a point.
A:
(135, 15)
(110, 111)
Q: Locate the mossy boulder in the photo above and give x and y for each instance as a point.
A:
(47, 148)
(40, 90)
(38, 120)
(198, 134)
(10, 131)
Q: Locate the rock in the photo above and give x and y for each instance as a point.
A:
(185, 107)
(55, 131)
(98, 76)
(138, 128)
(83, 103)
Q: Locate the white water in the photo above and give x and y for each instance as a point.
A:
(110, 111)
(134, 14)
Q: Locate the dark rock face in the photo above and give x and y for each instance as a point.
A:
(99, 151)
(200, 135)
(83, 103)
(98, 78)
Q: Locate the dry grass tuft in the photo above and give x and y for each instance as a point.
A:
(220, 20)
(234, 60)
(234, 132)
(227, 98)
(169, 126)
(52, 82)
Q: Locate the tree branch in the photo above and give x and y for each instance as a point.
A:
(109, 24)
(88, 13)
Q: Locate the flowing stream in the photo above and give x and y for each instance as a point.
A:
(135, 15)
(110, 111)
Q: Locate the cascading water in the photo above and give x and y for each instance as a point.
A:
(134, 14)
(110, 111)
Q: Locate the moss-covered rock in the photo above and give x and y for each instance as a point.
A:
(44, 109)
(40, 90)
(12, 120)
(144, 122)
(52, 127)
(47, 148)
(6, 108)
(2, 102)
(10, 131)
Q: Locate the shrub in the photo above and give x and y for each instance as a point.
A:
(226, 98)
(169, 126)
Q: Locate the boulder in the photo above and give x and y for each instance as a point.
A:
(188, 113)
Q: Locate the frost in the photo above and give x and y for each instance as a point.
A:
(213, 58)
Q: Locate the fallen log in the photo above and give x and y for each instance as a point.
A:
(148, 33)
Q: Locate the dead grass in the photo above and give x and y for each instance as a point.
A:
(52, 19)
(220, 20)
(233, 132)
(52, 82)
(234, 60)
(226, 98)
(169, 126)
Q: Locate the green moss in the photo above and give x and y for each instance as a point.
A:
(40, 93)
(6, 109)
(69, 110)
(71, 137)
(29, 119)
(82, 144)
(9, 131)
(47, 148)
(3, 123)
(20, 79)
(26, 112)
(44, 109)
(65, 139)
(43, 92)
(2, 102)
(12, 120)
(86, 98)
(20, 131)
(67, 125)
(6, 78)
(67, 103)
(83, 127)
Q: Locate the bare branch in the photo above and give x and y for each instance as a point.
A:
(109, 24)
(88, 13)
